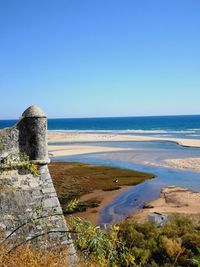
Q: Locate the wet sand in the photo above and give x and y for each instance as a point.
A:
(105, 197)
(172, 200)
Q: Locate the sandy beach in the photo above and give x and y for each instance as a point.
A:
(66, 150)
(192, 164)
(56, 136)
(172, 200)
(187, 163)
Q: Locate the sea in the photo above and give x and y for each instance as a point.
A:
(185, 126)
(145, 156)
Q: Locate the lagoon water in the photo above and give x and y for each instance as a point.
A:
(142, 156)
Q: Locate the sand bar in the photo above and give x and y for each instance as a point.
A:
(186, 163)
(172, 200)
(66, 150)
(62, 150)
(56, 136)
(192, 164)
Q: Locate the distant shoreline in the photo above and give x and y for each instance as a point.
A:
(60, 136)
(61, 150)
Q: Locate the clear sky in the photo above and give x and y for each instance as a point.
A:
(87, 58)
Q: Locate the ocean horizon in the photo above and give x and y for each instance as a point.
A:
(182, 126)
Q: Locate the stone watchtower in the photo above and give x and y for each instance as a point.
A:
(29, 206)
(33, 134)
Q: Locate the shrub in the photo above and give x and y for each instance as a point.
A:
(138, 244)
(100, 246)
(129, 244)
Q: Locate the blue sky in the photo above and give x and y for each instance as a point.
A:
(87, 58)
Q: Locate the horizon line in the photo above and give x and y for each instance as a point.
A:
(110, 117)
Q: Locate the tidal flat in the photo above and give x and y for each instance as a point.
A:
(95, 186)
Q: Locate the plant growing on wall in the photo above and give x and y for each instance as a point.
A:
(16, 161)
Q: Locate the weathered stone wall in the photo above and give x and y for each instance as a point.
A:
(9, 139)
(28, 136)
(29, 207)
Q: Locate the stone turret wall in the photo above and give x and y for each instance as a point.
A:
(29, 207)
(28, 136)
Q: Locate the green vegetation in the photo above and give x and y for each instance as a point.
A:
(18, 161)
(100, 246)
(73, 179)
(75, 205)
(196, 259)
(139, 244)
(129, 244)
(80, 178)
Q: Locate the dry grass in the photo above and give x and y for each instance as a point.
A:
(29, 256)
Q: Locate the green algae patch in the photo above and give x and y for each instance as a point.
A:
(80, 179)
(73, 180)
